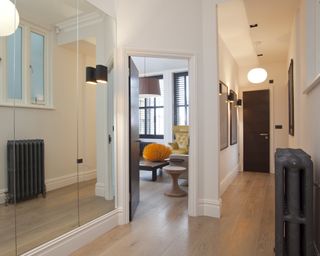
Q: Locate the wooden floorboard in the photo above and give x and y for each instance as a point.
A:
(161, 226)
(41, 219)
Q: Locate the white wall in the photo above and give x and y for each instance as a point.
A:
(229, 157)
(307, 118)
(153, 26)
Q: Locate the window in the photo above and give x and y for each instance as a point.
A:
(181, 98)
(25, 80)
(37, 67)
(151, 115)
(14, 65)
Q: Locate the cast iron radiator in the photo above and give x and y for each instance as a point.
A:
(25, 162)
(294, 203)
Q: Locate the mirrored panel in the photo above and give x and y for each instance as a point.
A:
(57, 168)
(10, 93)
(96, 37)
(45, 123)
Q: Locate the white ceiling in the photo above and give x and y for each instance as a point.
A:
(157, 65)
(47, 13)
(271, 37)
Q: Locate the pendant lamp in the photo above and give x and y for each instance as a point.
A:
(149, 87)
(257, 75)
(9, 18)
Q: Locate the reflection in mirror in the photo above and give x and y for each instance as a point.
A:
(95, 120)
(45, 125)
(53, 119)
(10, 52)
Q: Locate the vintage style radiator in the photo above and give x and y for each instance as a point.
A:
(26, 176)
(294, 203)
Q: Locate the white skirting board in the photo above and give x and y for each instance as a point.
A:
(211, 208)
(75, 239)
(66, 180)
(60, 182)
(225, 183)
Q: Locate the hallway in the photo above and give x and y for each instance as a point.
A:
(162, 227)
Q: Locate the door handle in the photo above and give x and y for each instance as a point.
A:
(264, 134)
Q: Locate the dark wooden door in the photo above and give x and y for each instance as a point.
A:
(134, 154)
(256, 135)
(316, 209)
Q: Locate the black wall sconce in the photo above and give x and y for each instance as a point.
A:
(99, 74)
(231, 96)
(220, 89)
(239, 103)
(91, 75)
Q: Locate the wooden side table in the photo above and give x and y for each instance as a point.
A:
(175, 172)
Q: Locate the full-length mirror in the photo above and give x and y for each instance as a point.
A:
(57, 138)
(95, 43)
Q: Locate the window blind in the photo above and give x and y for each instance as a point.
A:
(181, 98)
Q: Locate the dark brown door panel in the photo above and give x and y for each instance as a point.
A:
(134, 146)
(256, 134)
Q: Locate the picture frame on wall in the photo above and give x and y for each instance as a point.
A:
(291, 98)
(233, 121)
(223, 97)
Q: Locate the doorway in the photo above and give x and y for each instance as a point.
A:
(152, 121)
(256, 134)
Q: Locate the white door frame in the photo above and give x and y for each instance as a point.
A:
(122, 127)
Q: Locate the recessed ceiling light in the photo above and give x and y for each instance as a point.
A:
(257, 75)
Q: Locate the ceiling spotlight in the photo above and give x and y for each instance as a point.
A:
(257, 75)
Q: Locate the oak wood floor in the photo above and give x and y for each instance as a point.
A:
(161, 226)
(42, 219)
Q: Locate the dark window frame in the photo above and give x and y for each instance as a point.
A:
(154, 107)
(176, 76)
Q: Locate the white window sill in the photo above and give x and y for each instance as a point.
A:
(312, 85)
(31, 106)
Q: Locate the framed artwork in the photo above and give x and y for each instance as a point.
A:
(223, 92)
(291, 98)
(233, 121)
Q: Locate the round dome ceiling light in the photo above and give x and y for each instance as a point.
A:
(9, 18)
(257, 75)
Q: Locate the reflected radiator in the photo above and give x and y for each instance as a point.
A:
(294, 203)
(25, 162)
